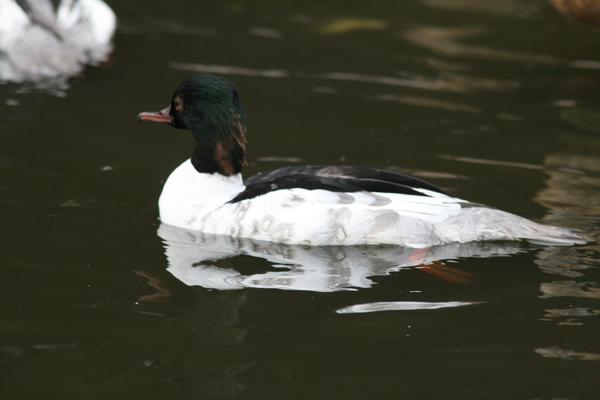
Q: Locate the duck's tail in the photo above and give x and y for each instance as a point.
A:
(548, 235)
(482, 223)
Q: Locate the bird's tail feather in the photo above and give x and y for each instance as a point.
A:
(482, 223)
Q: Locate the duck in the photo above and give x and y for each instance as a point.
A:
(44, 40)
(313, 205)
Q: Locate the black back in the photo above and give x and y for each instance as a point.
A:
(333, 178)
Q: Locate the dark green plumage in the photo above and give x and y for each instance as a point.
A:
(209, 102)
(210, 107)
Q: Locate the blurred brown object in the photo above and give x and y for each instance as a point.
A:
(587, 11)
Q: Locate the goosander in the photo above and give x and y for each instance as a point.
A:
(49, 39)
(311, 205)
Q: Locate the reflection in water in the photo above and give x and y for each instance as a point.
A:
(198, 259)
(428, 174)
(484, 161)
(585, 64)
(401, 306)
(214, 317)
(586, 290)
(581, 118)
(207, 365)
(587, 11)
(453, 83)
(347, 25)
(264, 32)
(229, 70)
(569, 316)
(420, 101)
(219, 382)
(152, 26)
(572, 187)
(566, 262)
(279, 159)
(412, 82)
(161, 294)
(572, 197)
(209, 328)
(447, 42)
(557, 352)
(511, 8)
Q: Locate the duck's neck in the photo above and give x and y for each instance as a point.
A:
(220, 150)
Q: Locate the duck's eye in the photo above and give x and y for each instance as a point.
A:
(178, 104)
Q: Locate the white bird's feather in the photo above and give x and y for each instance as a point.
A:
(199, 202)
(39, 42)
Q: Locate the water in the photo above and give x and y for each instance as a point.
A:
(496, 101)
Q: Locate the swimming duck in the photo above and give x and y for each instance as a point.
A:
(49, 39)
(311, 205)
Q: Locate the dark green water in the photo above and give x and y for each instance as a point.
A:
(497, 101)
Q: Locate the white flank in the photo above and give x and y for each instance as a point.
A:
(199, 202)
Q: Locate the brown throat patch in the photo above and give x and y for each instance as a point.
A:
(223, 159)
(230, 154)
(225, 154)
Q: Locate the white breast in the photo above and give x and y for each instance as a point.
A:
(190, 197)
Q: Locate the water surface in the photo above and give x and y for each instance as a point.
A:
(496, 101)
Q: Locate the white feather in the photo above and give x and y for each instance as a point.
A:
(47, 43)
(12, 20)
(199, 202)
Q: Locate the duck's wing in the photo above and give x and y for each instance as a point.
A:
(336, 179)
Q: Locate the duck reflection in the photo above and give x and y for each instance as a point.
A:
(226, 263)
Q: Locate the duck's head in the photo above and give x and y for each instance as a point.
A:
(209, 106)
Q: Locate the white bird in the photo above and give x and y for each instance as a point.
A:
(311, 205)
(43, 40)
